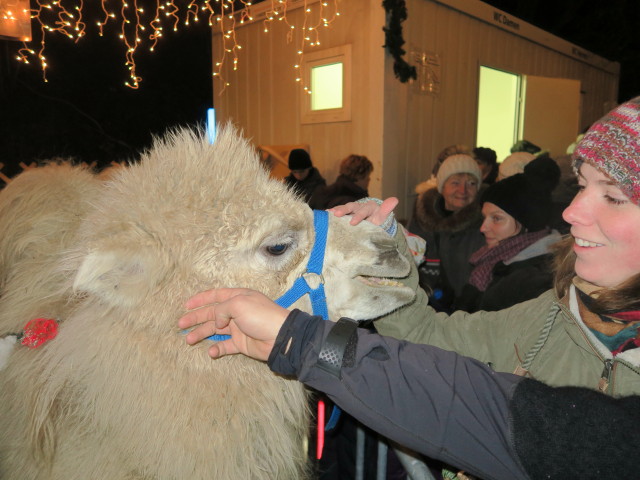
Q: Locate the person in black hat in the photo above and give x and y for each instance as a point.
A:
(514, 265)
(304, 177)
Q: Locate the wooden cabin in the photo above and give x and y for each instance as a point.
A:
(469, 58)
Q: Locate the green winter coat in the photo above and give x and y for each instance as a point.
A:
(540, 335)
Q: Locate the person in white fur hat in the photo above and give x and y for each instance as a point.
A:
(514, 164)
(447, 215)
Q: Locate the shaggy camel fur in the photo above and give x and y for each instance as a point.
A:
(118, 394)
(37, 225)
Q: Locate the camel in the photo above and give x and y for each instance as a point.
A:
(118, 394)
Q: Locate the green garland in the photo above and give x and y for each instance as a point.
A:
(396, 14)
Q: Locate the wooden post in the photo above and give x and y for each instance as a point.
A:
(3, 177)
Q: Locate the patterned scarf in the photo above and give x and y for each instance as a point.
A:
(619, 331)
(484, 259)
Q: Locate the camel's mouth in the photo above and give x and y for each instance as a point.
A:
(379, 281)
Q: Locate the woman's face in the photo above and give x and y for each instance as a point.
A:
(459, 190)
(497, 224)
(606, 227)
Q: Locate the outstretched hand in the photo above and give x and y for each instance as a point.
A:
(252, 320)
(370, 211)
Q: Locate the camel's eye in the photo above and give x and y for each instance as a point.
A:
(277, 249)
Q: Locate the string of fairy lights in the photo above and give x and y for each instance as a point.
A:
(7, 14)
(141, 24)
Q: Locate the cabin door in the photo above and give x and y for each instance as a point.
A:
(550, 115)
(512, 107)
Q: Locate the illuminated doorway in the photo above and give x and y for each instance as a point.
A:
(498, 110)
(512, 107)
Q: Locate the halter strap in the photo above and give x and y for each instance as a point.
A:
(314, 269)
(318, 304)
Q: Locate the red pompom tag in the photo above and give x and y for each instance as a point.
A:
(39, 331)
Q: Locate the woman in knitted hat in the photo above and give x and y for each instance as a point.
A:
(447, 215)
(515, 263)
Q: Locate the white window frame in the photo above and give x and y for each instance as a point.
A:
(326, 57)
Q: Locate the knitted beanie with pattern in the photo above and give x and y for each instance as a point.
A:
(460, 163)
(612, 145)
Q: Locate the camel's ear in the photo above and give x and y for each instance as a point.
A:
(118, 277)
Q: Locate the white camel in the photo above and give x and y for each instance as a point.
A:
(118, 394)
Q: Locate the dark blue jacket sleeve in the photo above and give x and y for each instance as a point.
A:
(433, 401)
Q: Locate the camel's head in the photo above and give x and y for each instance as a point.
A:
(192, 216)
(363, 271)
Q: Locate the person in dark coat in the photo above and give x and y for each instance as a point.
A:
(494, 425)
(351, 184)
(515, 264)
(304, 177)
(447, 215)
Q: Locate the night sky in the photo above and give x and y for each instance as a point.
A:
(609, 29)
(86, 112)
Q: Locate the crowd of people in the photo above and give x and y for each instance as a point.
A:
(519, 358)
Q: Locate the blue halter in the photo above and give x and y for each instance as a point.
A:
(300, 287)
(314, 268)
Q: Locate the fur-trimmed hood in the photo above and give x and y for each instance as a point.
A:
(430, 214)
(422, 187)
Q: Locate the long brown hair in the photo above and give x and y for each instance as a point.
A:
(626, 296)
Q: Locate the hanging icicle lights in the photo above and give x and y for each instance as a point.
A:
(310, 30)
(141, 23)
(7, 14)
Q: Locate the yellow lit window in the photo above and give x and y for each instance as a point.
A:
(327, 76)
(326, 86)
